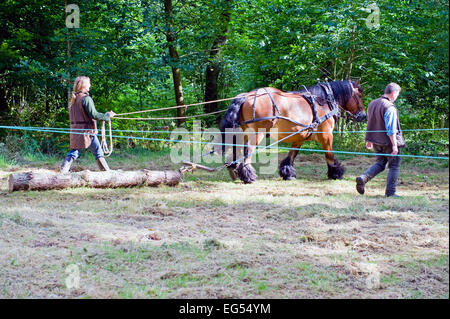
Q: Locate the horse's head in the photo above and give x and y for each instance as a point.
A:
(354, 104)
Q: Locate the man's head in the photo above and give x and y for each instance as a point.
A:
(392, 91)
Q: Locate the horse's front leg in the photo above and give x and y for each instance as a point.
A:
(245, 170)
(287, 170)
(335, 168)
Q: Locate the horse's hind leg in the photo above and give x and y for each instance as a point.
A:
(245, 170)
(232, 168)
(287, 170)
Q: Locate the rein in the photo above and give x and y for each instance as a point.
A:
(104, 144)
(352, 116)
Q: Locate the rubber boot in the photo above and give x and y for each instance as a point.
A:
(361, 181)
(101, 162)
(65, 166)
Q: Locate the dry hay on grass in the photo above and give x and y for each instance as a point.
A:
(212, 238)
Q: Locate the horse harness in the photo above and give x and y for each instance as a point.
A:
(311, 99)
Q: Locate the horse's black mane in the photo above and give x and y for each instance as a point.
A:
(342, 91)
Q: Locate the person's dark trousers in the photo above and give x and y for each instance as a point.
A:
(379, 166)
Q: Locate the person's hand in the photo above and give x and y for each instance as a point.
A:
(394, 150)
(111, 114)
(369, 145)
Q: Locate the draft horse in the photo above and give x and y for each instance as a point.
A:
(315, 108)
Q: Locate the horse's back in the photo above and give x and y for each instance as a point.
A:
(269, 102)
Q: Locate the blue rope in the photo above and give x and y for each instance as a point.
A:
(43, 129)
(261, 148)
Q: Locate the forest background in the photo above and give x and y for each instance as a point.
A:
(143, 54)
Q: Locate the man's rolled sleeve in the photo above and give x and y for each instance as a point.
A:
(390, 121)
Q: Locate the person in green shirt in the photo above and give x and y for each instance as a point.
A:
(83, 124)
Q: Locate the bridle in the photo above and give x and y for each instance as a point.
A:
(352, 116)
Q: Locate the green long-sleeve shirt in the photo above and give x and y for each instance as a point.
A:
(89, 107)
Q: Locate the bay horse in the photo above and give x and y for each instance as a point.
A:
(315, 108)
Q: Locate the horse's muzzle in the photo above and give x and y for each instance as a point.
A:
(360, 117)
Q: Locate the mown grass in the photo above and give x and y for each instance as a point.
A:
(213, 238)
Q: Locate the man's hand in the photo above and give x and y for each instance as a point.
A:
(369, 145)
(111, 114)
(394, 144)
(394, 150)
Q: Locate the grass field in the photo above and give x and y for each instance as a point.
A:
(210, 237)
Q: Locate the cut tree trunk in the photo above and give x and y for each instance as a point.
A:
(106, 179)
(174, 60)
(213, 67)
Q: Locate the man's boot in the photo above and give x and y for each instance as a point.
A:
(361, 181)
(101, 162)
(65, 166)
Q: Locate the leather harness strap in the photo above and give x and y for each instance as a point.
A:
(254, 103)
(310, 98)
(273, 102)
(259, 119)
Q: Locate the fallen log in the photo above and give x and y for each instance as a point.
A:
(107, 179)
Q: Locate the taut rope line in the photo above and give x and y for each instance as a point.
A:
(108, 150)
(64, 131)
(165, 118)
(178, 106)
(119, 117)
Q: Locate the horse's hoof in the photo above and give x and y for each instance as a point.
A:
(287, 170)
(233, 173)
(288, 175)
(247, 173)
(336, 172)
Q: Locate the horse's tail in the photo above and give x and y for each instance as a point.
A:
(231, 118)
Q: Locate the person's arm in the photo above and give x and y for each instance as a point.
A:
(394, 144)
(390, 121)
(89, 107)
(369, 144)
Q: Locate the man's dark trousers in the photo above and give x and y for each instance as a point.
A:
(379, 166)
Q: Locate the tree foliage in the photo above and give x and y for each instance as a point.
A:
(123, 46)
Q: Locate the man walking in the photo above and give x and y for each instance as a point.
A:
(385, 137)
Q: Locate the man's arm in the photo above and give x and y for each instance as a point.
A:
(89, 107)
(390, 121)
(394, 144)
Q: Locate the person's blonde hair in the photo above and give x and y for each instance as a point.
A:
(80, 83)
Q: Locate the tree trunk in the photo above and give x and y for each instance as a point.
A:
(213, 67)
(3, 102)
(107, 179)
(69, 93)
(174, 58)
